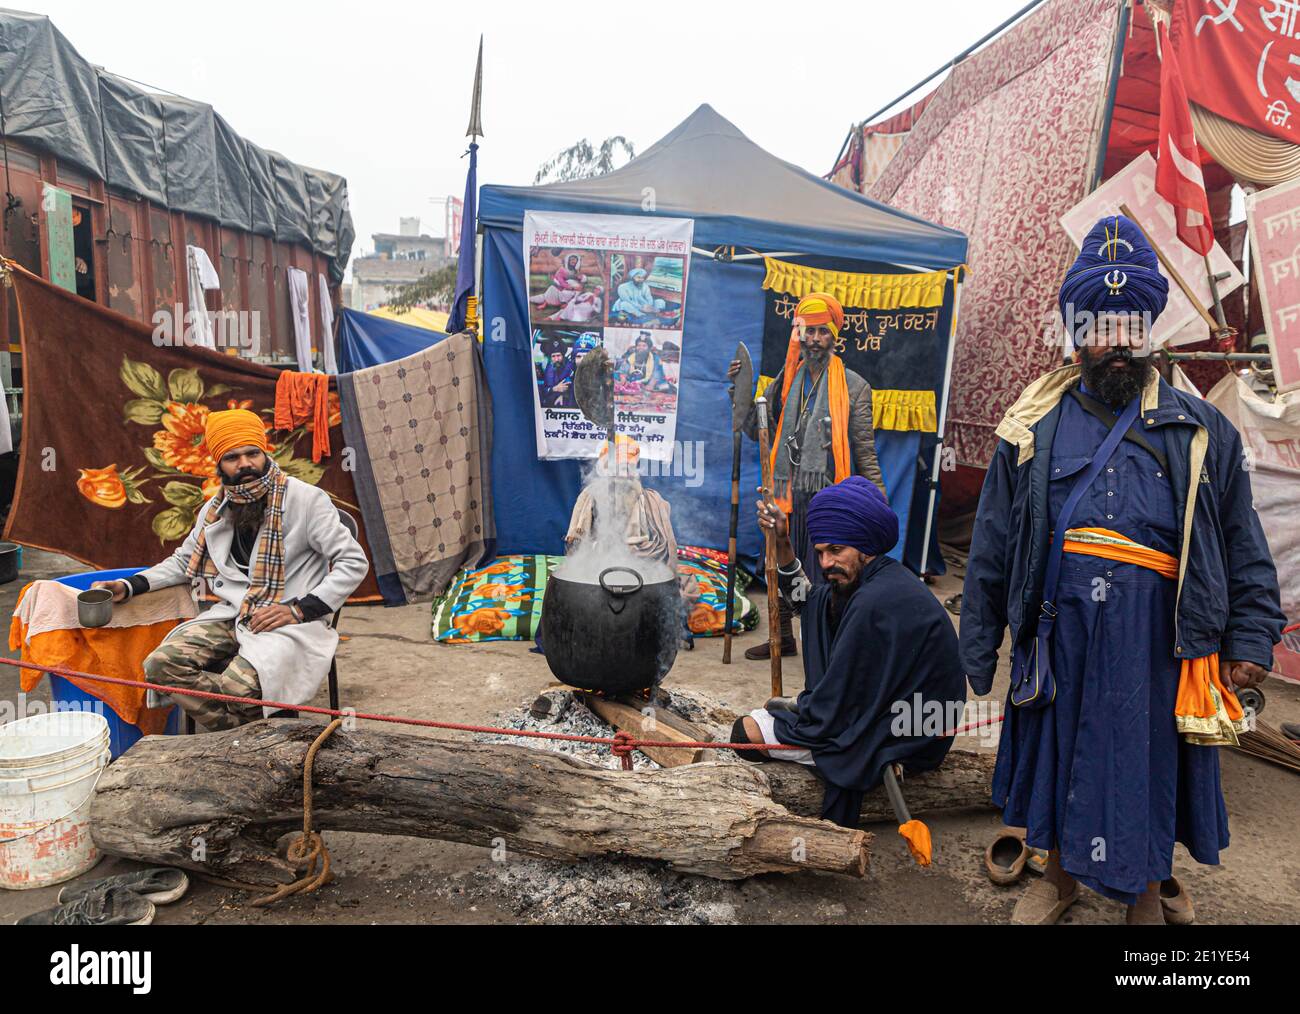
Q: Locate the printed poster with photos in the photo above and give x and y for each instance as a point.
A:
(616, 282)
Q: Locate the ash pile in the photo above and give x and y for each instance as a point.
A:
(605, 892)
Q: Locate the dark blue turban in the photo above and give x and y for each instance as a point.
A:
(1117, 272)
(854, 513)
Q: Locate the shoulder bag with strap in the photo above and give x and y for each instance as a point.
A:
(1032, 684)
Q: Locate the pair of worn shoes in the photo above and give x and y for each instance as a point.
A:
(1009, 857)
(1042, 904)
(125, 900)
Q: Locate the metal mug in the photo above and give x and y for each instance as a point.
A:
(95, 607)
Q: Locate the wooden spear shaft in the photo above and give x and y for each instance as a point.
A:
(773, 588)
(1192, 297)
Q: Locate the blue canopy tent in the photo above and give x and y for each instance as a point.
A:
(366, 340)
(741, 197)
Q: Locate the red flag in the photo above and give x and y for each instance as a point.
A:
(1178, 174)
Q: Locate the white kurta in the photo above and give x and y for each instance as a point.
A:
(321, 558)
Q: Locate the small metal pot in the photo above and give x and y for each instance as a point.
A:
(95, 607)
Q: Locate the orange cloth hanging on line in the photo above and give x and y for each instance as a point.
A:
(302, 398)
(1208, 713)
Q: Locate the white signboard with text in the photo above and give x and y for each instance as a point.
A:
(616, 282)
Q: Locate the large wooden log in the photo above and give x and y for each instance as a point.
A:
(963, 782)
(218, 804)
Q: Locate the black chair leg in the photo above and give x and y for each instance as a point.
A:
(189, 726)
(334, 685)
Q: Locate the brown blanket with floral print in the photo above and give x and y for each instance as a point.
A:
(114, 467)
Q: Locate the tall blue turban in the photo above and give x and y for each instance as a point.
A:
(1117, 271)
(853, 513)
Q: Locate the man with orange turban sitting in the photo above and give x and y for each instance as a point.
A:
(824, 431)
(274, 553)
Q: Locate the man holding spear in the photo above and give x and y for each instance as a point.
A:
(882, 674)
(823, 431)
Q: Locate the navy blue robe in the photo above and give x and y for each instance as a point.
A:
(882, 686)
(1102, 774)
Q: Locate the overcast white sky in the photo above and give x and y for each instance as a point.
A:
(379, 92)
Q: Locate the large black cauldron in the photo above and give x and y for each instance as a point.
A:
(617, 637)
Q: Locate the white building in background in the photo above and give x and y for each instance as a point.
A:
(398, 259)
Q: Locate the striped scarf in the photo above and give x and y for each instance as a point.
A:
(266, 569)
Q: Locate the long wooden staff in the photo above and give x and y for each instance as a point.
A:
(742, 400)
(773, 588)
(733, 551)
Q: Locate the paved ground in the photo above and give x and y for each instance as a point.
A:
(390, 665)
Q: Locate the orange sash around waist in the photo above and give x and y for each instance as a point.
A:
(1208, 713)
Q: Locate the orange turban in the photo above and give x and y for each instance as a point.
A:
(628, 453)
(229, 431)
(818, 308)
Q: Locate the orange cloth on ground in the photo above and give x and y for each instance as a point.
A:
(917, 836)
(305, 398)
(1208, 713)
(117, 652)
(229, 431)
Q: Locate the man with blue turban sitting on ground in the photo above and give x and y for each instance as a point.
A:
(882, 677)
(1117, 538)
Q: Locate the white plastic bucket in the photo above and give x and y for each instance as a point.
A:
(49, 766)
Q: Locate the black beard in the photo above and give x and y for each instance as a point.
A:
(841, 591)
(1116, 387)
(247, 517)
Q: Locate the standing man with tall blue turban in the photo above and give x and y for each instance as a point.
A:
(1117, 538)
(882, 679)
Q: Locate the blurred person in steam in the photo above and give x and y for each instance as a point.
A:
(823, 431)
(883, 679)
(641, 518)
(1166, 602)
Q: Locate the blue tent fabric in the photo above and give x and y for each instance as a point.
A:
(366, 340)
(534, 498)
(757, 202)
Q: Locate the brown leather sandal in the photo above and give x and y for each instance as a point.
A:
(1005, 858)
(1042, 904)
(1177, 903)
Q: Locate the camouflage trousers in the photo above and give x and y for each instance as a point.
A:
(205, 657)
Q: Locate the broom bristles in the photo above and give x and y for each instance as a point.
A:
(1267, 743)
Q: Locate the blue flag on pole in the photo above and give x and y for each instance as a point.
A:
(468, 231)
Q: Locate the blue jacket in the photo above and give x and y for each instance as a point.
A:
(1228, 599)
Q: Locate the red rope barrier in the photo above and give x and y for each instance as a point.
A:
(622, 744)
